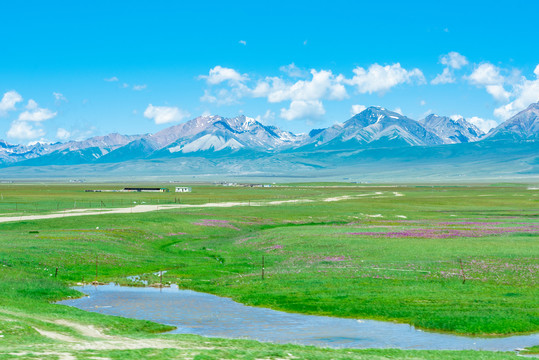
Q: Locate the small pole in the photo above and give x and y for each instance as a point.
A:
(56, 273)
(161, 278)
(462, 272)
(96, 267)
(262, 267)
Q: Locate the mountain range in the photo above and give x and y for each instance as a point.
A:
(374, 132)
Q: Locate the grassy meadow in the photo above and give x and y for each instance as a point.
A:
(459, 259)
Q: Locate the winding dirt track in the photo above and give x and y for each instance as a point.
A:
(148, 208)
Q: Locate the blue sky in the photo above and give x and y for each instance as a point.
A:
(70, 70)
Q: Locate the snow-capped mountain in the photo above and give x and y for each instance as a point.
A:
(374, 127)
(234, 134)
(214, 134)
(452, 131)
(522, 126)
(373, 131)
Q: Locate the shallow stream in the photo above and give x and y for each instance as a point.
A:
(209, 315)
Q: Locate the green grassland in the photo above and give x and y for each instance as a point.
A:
(460, 259)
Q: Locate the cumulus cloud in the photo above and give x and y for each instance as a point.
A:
(486, 74)
(243, 42)
(62, 134)
(35, 113)
(228, 86)
(301, 109)
(483, 124)
(324, 84)
(489, 76)
(165, 114)
(221, 74)
(498, 92)
(112, 79)
(446, 77)
(9, 101)
(524, 93)
(24, 130)
(453, 60)
(379, 79)
(356, 109)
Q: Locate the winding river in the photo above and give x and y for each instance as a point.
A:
(209, 315)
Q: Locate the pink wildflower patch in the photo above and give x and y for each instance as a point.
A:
(442, 233)
(274, 247)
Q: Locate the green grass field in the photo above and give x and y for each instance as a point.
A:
(461, 259)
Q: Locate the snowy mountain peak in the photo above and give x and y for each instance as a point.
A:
(451, 130)
(522, 126)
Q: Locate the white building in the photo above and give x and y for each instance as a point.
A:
(183, 189)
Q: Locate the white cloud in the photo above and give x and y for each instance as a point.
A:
(293, 71)
(486, 74)
(398, 110)
(139, 87)
(446, 77)
(220, 74)
(165, 114)
(31, 105)
(9, 100)
(356, 109)
(24, 130)
(498, 92)
(453, 60)
(380, 78)
(112, 79)
(322, 85)
(243, 42)
(489, 76)
(422, 103)
(62, 134)
(524, 93)
(300, 109)
(483, 124)
(456, 117)
(59, 96)
(125, 85)
(35, 113)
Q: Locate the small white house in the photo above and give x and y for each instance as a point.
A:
(183, 189)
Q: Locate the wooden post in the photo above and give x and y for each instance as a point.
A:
(462, 271)
(56, 273)
(262, 267)
(96, 267)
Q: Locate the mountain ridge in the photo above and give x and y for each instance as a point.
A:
(217, 136)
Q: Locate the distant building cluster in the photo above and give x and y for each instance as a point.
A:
(182, 189)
